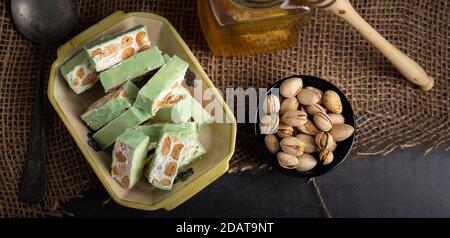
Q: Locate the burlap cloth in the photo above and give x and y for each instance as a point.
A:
(391, 113)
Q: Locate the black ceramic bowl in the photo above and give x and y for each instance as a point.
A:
(343, 148)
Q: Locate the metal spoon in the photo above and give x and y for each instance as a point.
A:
(44, 22)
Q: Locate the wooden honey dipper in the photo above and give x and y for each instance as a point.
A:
(404, 64)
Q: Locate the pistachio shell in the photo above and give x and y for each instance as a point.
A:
(341, 132)
(269, 124)
(308, 97)
(324, 140)
(289, 104)
(287, 161)
(291, 87)
(271, 104)
(309, 142)
(292, 146)
(272, 143)
(318, 91)
(326, 157)
(306, 162)
(309, 128)
(294, 118)
(332, 101)
(284, 131)
(323, 121)
(337, 118)
(314, 109)
(333, 146)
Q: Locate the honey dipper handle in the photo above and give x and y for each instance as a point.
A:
(407, 66)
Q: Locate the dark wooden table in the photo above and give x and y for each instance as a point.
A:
(403, 184)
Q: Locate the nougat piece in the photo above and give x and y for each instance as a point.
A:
(129, 154)
(171, 151)
(158, 91)
(129, 119)
(166, 58)
(79, 73)
(154, 130)
(132, 68)
(176, 112)
(197, 152)
(113, 49)
(110, 106)
(186, 109)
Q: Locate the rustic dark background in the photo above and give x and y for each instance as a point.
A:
(403, 184)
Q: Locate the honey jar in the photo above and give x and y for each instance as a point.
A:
(248, 27)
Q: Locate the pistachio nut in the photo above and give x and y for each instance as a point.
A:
(324, 140)
(284, 131)
(269, 124)
(287, 161)
(314, 109)
(333, 146)
(306, 162)
(272, 143)
(332, 101)
(308, 97)
(323, 121)
(289, 104)
(337, 118)
(291, 87)
(294, 118)
(318, 91)
(341, 132)
(326, 157)
(292, 146)
(309, 142)
(309, 128)
(271, 104)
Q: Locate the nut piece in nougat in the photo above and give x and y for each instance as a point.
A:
(79, 73)
(132, 68)
(161, 87)
(172, 152)
(110, 106)
(113, 49)
(129, 154)
(129, 119)
(185, 108)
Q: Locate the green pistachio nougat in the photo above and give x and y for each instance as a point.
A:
(154, 130)
(184, 110)
(110, 106)
(170, 153)
(159, 89)
(179, 112)
(129, 154)
(138, 65)
(79, 73)
(110, 50)
(166, 57)
(129, 119)
(198, 152)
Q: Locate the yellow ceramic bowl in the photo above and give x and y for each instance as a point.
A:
(70, 106)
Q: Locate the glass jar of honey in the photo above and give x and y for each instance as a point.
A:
(248, 27)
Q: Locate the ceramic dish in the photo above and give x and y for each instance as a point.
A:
(70, 106)
(343, 149)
